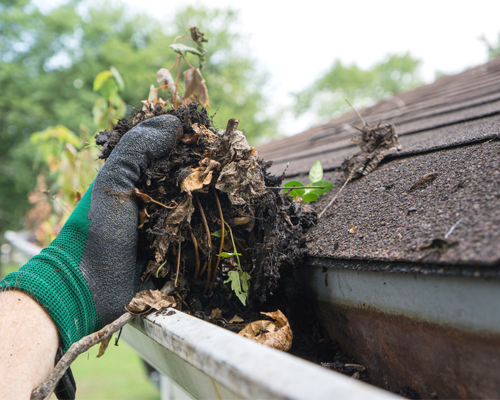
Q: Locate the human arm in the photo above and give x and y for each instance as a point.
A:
(86, 276)
(28, 344)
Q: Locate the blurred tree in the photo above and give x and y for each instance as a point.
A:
(49, 61)
(493, 48)
(363, 87)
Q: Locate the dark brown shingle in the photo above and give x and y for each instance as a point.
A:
(452, 128)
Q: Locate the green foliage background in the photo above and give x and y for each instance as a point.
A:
(49, 61)
(363, 87)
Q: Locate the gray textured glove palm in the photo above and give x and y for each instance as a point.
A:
(110, 257)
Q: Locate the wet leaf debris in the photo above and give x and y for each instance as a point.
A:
(208, 220)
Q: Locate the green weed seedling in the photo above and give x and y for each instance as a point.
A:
(240, 280)
(316, 179)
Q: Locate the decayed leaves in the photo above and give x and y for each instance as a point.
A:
(198, 38)
(242, 178)
(276, 334)
(196, 90)
(164, 77)
(178, 218)
(374, 143)
(236, 320)
(422, 181)
(197, 181)
(149, 300)
(103, 346)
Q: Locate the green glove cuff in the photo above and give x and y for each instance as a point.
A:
(54, 280)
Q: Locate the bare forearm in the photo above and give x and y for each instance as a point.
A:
(28, 345)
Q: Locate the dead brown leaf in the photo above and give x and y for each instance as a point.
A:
(103, 346)
(276, 334)
(374, 143)
(236, 320)
(148, 300)
(201, 129)
(242, 178)
(422, 181)
(196, 89)
(196, 181)
(352, 228)
(216, 313)
(143, 217)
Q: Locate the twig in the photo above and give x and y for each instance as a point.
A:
(207, 229)
(204, 268)
(77, 348)
(146, 198)
(336, 195)
(178, 264)
(197, 254)
(59, 202)
(205, 223)
(297, 187)
(234, 245)
(221, 240)
(356, 111)
(452, 228)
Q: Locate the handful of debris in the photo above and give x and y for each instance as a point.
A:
(208, 218)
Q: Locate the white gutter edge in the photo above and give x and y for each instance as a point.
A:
(17, 240)
(204, 359)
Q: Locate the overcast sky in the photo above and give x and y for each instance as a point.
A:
(311, 34)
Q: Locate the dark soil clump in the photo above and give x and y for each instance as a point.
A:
(209, 181)
(206, 168)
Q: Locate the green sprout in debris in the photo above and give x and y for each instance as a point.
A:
(309, 194)
(240, 280)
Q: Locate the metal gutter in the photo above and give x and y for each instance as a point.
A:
(438, 335)
(203, 360)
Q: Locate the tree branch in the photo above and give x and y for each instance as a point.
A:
(45, 389)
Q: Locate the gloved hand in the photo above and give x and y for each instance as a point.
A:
(86, 276)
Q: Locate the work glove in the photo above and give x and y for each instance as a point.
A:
(90, 272)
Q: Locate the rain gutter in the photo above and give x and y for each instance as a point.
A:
(203, 360)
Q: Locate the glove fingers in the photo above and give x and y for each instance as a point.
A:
(108, 263)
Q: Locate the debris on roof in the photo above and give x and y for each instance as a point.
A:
(437, 201)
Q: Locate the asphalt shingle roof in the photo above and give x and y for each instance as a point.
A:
(451, 128)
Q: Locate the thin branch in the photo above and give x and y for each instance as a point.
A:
(221, 239)
(204, 268)
(59, 202)
(178, 263)
(452, 228)
(337, 195)
(207, 229)
(175, 63)
(197, 254)
(77, 348)
(185, 59)
(234, 245)
(148, 199)
(356, 111)
(205, 223)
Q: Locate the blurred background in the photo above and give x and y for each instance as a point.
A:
(69, 68)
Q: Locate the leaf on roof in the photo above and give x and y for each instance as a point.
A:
(374, 143)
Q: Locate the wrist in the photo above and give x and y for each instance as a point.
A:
(28, 344)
